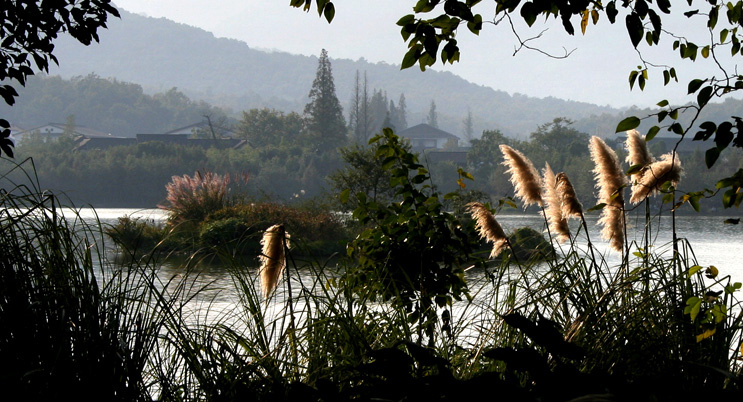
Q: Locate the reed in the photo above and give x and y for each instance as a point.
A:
(553, 206)
(273, 259)
(610, 181)
(523, 175)
(488, 227)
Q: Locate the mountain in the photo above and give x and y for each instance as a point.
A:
(159, 54)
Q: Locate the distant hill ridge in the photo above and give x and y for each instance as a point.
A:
(160, 54)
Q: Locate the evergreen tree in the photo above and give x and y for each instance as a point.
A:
(378, 110)
(402, 113)
(324, 121)
(433, 118)
(393, 117)
(468, 129)
(358, 116)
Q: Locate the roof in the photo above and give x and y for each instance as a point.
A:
(424, 130)
(58, 128)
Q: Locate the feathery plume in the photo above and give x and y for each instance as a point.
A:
(488, 228)
(668, 168)
(524, 176)
(609, 180)
(637, 149)
(273, 260)
(553, 206)
(571, 207)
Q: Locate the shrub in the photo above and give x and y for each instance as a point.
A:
(193, 198)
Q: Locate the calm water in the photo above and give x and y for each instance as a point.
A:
(713, 243)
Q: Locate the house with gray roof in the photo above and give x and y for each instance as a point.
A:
(424, 136)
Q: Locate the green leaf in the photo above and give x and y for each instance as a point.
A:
(694, 85)
(694, 202)
(705, 51)
(704, 95)
(632, 78)
(408, 19)
(693, 270)
(411, 57)
(634, 28)
(329, 12)
(723, 35)
(693, 304)
(710, 157)
(628, 124)
(597, 207)
(344, 195)
(664, 102)
(652, 133)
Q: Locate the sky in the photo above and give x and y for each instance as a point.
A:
(596, 71)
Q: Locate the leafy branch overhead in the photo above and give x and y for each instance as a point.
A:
(27, 32)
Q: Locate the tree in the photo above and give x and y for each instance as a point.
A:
(468, 129)
(324, 121)
(432, 32)
(264, 127)
(432, 118)
(402, 113)
(358, 117)
(28, 30)
(378, 110)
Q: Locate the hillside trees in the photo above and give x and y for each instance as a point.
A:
(107, 105)
(263, 127)
(324, 119)
(368, 114)
(28, 30)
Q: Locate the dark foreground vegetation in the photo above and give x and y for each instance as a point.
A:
(400, 319)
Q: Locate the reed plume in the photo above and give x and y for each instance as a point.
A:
(637, 149)
(524, 176)
(571, 207)
(610, 181)
(273, 260)
(488, 228)
(668, 168)
(558, 223)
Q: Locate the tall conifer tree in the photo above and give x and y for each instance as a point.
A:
(323, 115)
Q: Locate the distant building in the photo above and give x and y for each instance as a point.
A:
(203, 127)
(424, 136)
(52, 131)
(180, 139)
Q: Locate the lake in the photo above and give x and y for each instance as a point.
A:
(713, 243)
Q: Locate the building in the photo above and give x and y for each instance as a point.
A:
(52, 131)
(424, 136)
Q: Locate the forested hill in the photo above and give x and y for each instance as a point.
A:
(160, 54)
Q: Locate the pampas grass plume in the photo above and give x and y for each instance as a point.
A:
(571, 207)
(668, 168)
(488, 228)
(553, 201)
(637, 149)
(273, 260)
(524, 176)
(610, 180)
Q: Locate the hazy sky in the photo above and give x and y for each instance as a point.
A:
(595, 72)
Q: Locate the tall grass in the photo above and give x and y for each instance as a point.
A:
(656, 326)
(64, 329)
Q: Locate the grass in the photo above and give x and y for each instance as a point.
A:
(653, 327)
